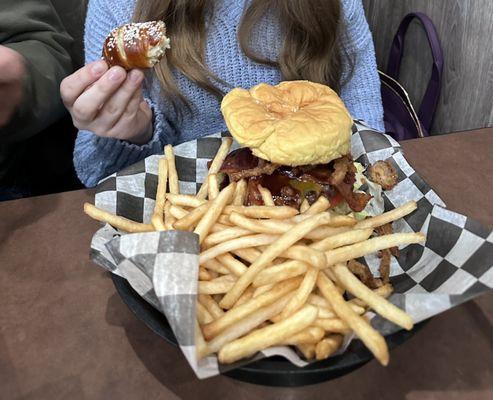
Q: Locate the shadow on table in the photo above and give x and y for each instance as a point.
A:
(439, 350)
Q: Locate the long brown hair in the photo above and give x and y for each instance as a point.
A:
(310, 50)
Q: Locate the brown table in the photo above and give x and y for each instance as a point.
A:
(65, 333)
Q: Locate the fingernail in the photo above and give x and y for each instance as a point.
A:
(98, 68)
(135, 76)
(115, 74)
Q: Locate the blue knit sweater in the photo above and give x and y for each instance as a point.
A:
(96, 157)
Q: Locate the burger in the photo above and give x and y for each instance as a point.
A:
(295, 140)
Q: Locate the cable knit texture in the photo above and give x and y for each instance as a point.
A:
(96, 157)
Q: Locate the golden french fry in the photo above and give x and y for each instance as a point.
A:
(308, 350)
(280, 272)
(322, 204)
(268, 336)
(225, 235)
(249, 255)
(215, 209)
(216, 164)
(306, 254)
(276, 212)
(212, 186)
(388, 216)
(243, 242)
(116, 221)
(224, 219)
(177, 212)
(216, 266)
(381, 306)
(169, 220)
(203, 316)
(312, 334)
(342, 239)
(208, 302)
(333, 325)
(174, 188)
(185, 200)
(272, 226)
(274, 250)
(236, 267)
(323, 232)
(368, 335)
(304, 206)
(240, 193)
(158, 215)
(336, 220)
(383, 291)
(247, 324)
(301, 294)
(361, 249)
(239, 312)
(204, 275)
(266, 196)
(188, 221)
(215, 287)
(247, 295)
(200, 345)
(328, 346)
(262, 289)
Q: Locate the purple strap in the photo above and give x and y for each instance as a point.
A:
(432, 94)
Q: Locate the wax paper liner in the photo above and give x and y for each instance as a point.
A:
(453, 266)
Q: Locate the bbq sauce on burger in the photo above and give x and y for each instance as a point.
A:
(296, 143)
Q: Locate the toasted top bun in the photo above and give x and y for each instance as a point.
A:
(293, 123)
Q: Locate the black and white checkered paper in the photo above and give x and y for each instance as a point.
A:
(454, 265)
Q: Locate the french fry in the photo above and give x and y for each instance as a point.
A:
(266, 196)
(216, 164)
(383, 291)
(177, 212)
(333, 325)
(214, 287)
(243, 242)
(225, 235)
(304, 206)
(361, 249)
(369, 336)
(240, 193)
(342, 239)
(158, 215)
(214, 265)
(312, 334)
(203, 316)
(271, 226)
(381, 306)
(268, 336)
(210, 305)
(302, 293)
(320, 205)
(169, 220)
(247, 324)
(308, 350)
(241, 311)
(306, 254)
(212, 214)
(276, 212)
(273, 251)
(188, 221)
(249, 255)
(336, 220)
(323, 232)
(116, 221)
(247, 295)
(328, 346)
(326, 308)
(204, 275)
(236, 267)
(213, 186)
(200, 345)
(263, 289)
(185, 200)
(388, 216)
(174, 188)
(280, 272)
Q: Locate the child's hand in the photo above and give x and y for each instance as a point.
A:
(108, 103)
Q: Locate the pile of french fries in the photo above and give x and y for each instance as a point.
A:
(272, 275)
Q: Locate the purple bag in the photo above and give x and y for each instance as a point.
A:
(401, 120)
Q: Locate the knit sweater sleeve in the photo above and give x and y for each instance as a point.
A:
(361, 85)
(96, 157)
